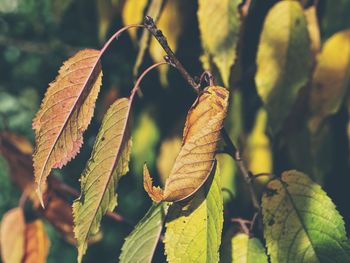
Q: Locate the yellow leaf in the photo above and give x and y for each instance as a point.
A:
(313, 28)
(170, 22)
(258, 149)
(219, 25)
(284, 60)
(196, 158)
(108, 162)
(133, 14)
(37, 243)
(65, 114)
(193, 230)
(330, 79)
(12, 236)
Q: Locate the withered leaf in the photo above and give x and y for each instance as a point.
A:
(65, 114)
(196, 158)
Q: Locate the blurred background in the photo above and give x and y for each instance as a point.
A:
(36, 36)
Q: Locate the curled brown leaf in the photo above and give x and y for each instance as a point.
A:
(196, 157)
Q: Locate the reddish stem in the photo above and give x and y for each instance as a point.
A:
(139, 79)
(116, 35)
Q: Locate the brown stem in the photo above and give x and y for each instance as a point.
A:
(152, 28)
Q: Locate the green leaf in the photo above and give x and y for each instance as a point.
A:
(331, 79)
(283, 61)
(140, 245)
(219, 25)
(301, 224)
(242, 248)
(108, 162)
(193, 231)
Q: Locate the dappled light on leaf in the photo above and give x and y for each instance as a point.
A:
(301, 224)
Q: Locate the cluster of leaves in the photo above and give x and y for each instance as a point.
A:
(301, 84)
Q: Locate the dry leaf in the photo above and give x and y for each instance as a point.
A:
(196, 158)
(37, 243)
(12, 236)
(65, 113)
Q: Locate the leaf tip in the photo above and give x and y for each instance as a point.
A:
(40, 196)
(155, 193)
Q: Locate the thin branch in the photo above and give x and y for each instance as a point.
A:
(140, 78)
(150, 25)
(247, 176)
(230, 147)
(243, 224)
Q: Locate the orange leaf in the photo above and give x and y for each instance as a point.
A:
(65, 114)
(37, 243)
(156, 193)
(12, 236)
(196, 158)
